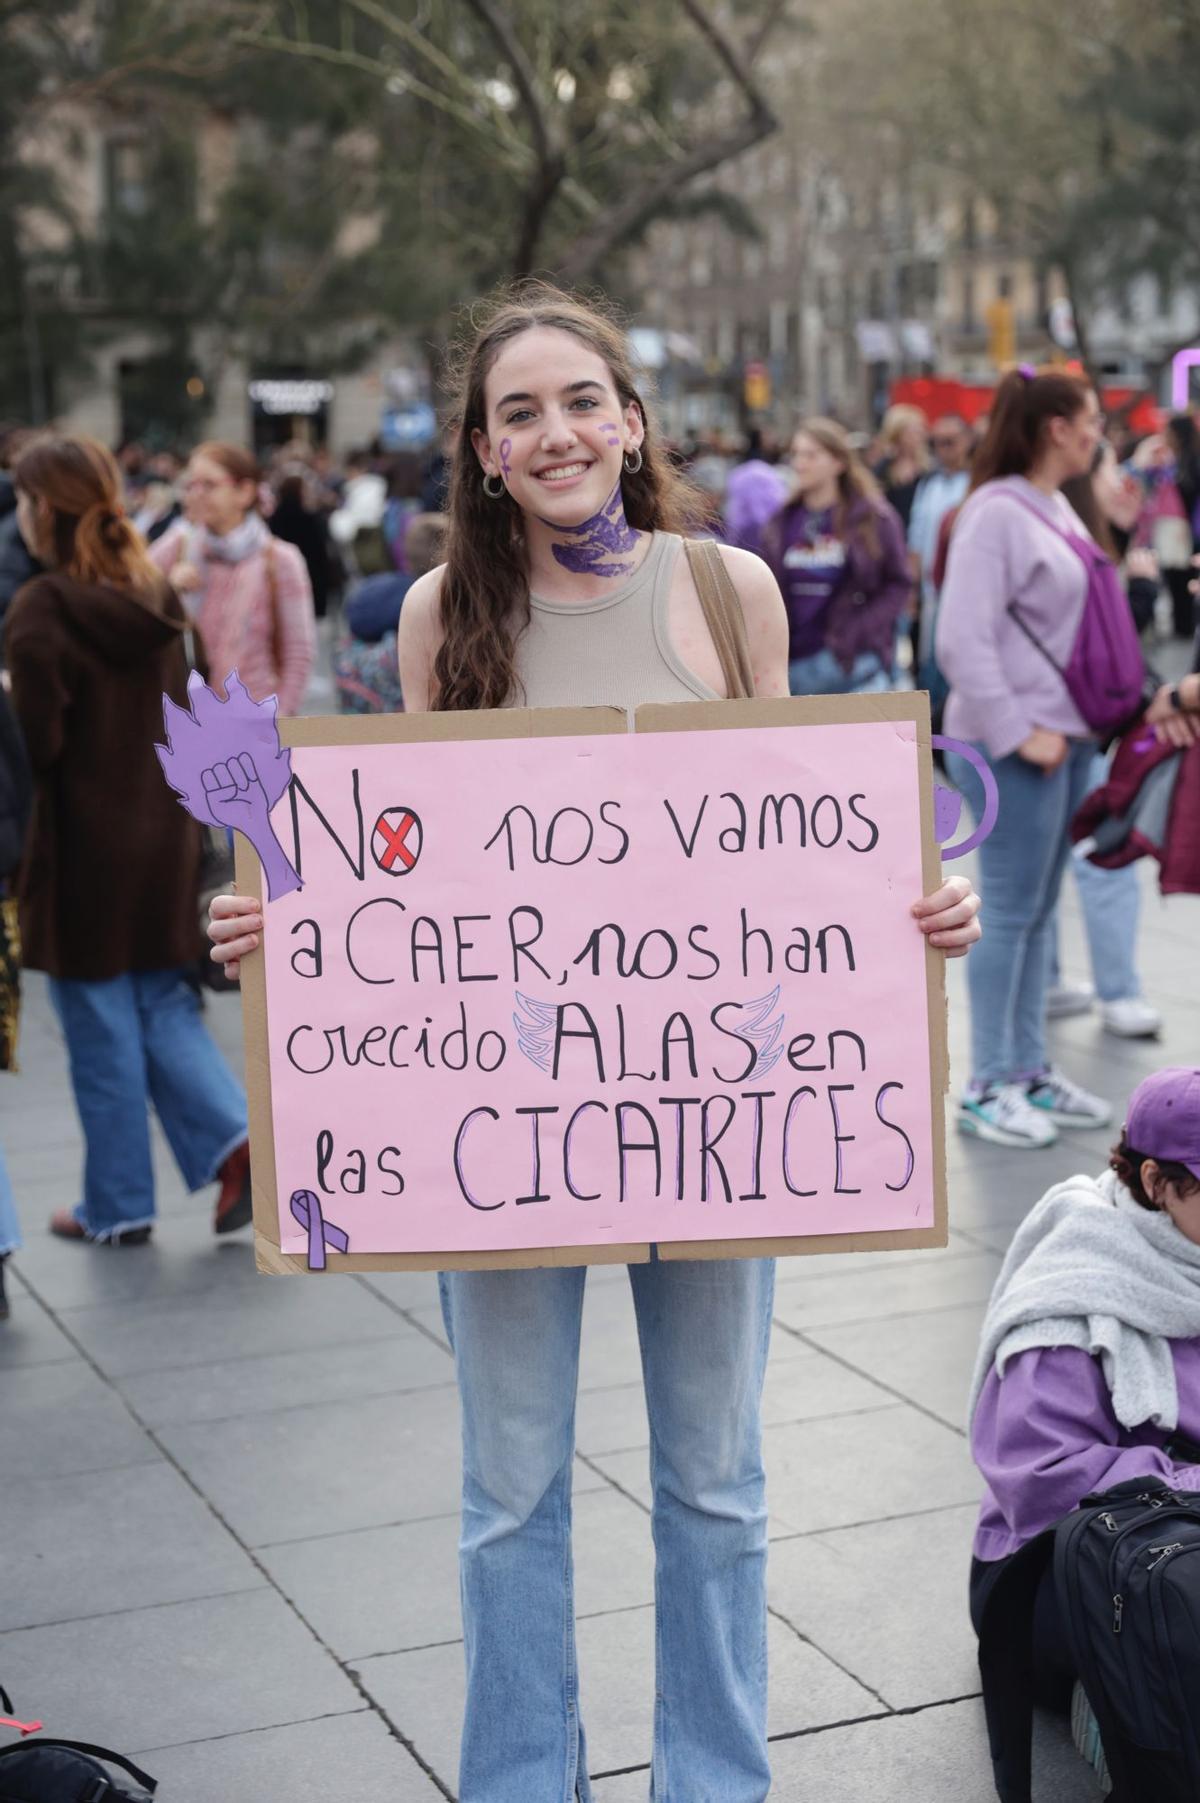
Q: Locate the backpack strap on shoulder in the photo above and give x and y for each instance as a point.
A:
(723, 615)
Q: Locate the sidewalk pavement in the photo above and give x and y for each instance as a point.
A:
(229, 1504)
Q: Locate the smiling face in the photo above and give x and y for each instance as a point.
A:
(557, 431)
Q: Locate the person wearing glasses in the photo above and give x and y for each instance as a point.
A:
(248, 592)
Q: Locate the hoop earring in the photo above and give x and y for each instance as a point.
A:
(631, 469)
(493, 494)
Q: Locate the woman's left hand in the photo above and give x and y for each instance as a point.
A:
(949, 918)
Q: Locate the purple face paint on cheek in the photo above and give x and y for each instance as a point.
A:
(610, 432)
(505, 449)
(604, 545)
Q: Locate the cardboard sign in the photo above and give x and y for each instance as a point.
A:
(550, 992)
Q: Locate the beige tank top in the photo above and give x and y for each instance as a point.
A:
(615, 651)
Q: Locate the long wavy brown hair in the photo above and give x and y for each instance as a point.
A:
(855, 482)
(484, 593)
(89, 535)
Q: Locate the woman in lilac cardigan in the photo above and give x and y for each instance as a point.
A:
(1009, 558)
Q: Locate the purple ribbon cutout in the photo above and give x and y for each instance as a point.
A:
(947, 803)
(306, 1209)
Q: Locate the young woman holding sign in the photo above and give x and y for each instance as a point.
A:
(565, 585)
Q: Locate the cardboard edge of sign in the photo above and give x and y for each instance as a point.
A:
(532, 723)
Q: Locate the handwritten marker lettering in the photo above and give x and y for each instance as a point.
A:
(306, 1209)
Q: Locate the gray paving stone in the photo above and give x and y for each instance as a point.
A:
(30, 1336)
(616, 1666)
(388, 1590)
(277, 1314)
(57, 1419)
(838, 1263)
(331, 1467)
(189, 1671)
(405, 1361)
(347, 1756)
(404, 1289)
(875, 1294)
(822, 1474)
(182, 1259)
(87, 1545)
(938, 1756)
(914, 1644)
(931, 1364)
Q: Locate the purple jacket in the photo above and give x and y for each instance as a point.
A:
(1045, 1435)
(873, 590)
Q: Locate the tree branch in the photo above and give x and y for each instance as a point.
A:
(624, 220)
(548, 142)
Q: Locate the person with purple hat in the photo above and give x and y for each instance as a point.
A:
(1089, 1361)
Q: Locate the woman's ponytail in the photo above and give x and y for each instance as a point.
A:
(1025, 402)
(90, 535)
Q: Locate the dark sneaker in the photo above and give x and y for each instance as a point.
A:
(235, 1205)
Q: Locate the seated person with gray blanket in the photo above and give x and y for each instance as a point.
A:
(1089, 1364)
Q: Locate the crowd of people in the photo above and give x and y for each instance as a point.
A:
(536, 557)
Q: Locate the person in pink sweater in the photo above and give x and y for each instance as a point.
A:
(248, 592)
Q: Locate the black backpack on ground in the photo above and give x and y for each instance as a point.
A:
(1128, 1593)
(1128, 1585)
(35, 1770)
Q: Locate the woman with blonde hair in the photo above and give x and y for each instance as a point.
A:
(107, 889)
(249, 592)
(904, 457)
(565, 584)
(837, 551)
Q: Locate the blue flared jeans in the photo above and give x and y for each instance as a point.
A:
(1021, 869)
(133, 1040)
(703, 1328)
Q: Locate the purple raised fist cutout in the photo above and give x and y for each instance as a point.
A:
(224, 761)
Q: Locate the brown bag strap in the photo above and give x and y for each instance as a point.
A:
(723, 615)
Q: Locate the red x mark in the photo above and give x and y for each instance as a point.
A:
(394, 842)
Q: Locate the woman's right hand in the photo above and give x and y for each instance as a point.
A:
(235, 927)
(185, 578)
(1045, 749)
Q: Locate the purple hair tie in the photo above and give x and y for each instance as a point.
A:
(1027, 370)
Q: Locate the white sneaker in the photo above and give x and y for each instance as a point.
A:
(1006, 1117)
(1057, 1099)
(1131, 1018)
(1066, 999)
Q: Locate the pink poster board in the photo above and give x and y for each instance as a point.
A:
(574, 994)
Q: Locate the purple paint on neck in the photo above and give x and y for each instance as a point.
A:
(505, 448)
(604, 545)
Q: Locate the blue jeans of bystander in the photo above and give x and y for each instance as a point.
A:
(1020, 873)
(822, 674)
(133, 1039)
(703, 1329)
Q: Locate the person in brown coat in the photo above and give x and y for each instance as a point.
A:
(107, 889)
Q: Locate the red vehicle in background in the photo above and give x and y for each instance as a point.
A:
(936, 395)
